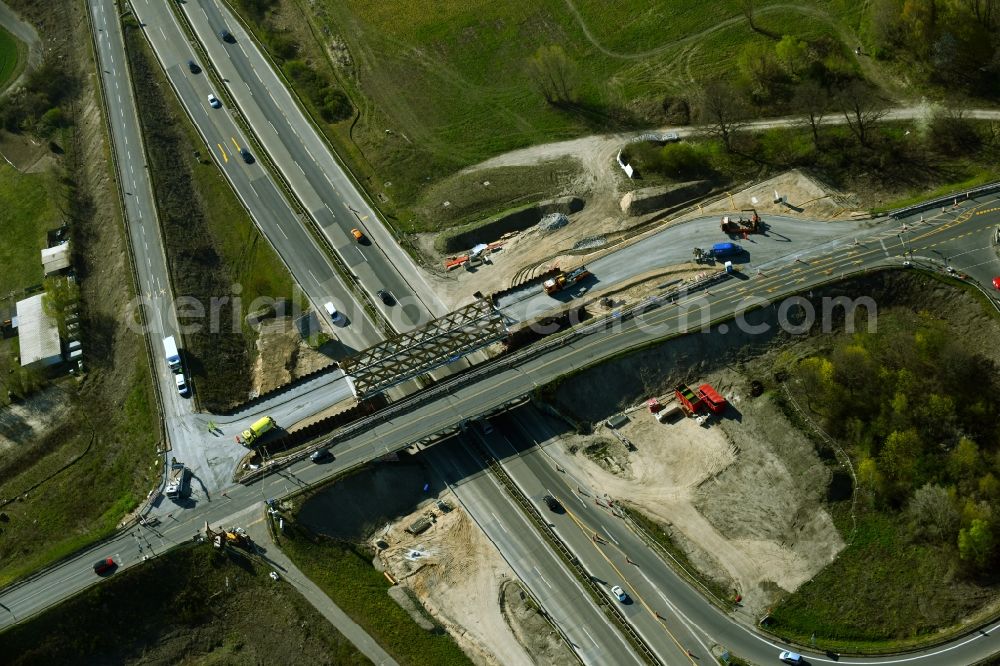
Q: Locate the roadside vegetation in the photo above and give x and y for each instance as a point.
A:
(439, 91)
(29, 204)
(13, 55)
(899, 163)
(913, 406)
(77, 452)
(214, 251)
(192, 605)
(344, 571)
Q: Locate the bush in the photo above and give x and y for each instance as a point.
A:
(680, 161)
(952, 134)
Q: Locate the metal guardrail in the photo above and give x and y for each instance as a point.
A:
(150, 356)
(565, 554)
(950, 198)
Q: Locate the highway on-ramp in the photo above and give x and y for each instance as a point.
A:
(962, 232)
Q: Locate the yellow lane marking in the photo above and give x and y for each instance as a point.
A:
(223, 151)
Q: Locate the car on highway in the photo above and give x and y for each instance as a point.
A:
(226, 36)
(386, 297)
(247, 157)
(181, 381)
(553, 504)
(996, 283)
(193, 66)
(619, 593)
(358, 236)
(331, 310)
(790, 657)
(213, 101)
(320, 455)
(104, 566)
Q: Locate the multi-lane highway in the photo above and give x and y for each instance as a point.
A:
(583, 623)
(965, 232)
(211, 454)
(959, 238)
(297, 150)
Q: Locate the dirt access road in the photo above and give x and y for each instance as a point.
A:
(743, 495)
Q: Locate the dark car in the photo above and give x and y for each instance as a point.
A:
(553, 504)
(320, 455)
(193, 66)
(226, 36)
(386, 297)
(104, 566)
(245, 154)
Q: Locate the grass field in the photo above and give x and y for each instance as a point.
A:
(28, 212)
(195, 605)
(108, 443)
(452, 85)
(346, 574)
(900, 592)
(12, 55)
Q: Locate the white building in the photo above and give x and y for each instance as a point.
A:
(38, 333)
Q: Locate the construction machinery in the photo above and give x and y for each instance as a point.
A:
(705, 397)
(742, 226)
(234, 536)
(564, 280)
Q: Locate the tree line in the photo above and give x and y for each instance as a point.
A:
(917, 411)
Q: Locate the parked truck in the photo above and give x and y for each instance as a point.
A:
(173, 356)
(717, 251)
(176, 480)
(564, 280)
(257, 429)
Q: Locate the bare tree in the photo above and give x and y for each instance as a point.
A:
(862, 108)
(722, 109)
(813, 101)
(932, 513)
(984, 10)
(553, 73)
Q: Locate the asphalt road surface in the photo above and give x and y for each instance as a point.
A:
(959, 238)
(295, 147)
(253, 184)
(595, 639)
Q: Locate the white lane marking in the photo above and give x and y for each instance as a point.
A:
(282, 232)
(163, 33)
(584, 629)
(313, 276)
(499, 522)
(272, 126)
(542, 577)
(300, 168)
(609, 535)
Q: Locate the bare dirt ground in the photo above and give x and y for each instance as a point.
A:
(26, 153)
(742, 495)
(283, 356)
(457, 574)
(30, 420)
(602, 185)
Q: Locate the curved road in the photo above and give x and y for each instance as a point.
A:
(961, 238)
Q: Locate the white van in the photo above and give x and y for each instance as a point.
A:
(181, 383)
(332, 311)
